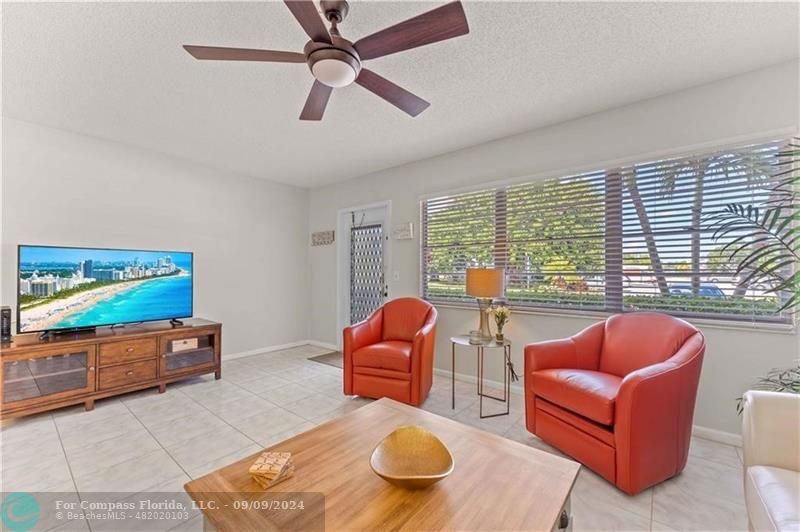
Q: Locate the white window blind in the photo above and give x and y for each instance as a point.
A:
(620, 239)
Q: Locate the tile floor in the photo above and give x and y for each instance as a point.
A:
(147, 441)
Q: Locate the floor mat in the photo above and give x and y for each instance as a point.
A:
(334, 359)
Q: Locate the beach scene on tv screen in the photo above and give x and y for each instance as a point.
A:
(64, 288)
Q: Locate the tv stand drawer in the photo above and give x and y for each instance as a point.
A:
(127, 351)
(133, 373)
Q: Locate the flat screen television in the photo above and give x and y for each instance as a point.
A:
(64, 288)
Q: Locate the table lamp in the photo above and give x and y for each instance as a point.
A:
(485, 284)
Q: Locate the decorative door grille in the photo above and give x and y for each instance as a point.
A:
(367, 287)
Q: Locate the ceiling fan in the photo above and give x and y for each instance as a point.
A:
(336, 62)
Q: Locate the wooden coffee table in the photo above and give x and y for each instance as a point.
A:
(497, 483)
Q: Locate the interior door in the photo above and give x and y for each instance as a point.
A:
(367, 270)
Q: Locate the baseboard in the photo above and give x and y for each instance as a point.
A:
(728, 438)
(281, 347)
(516, 388)
(267, 349)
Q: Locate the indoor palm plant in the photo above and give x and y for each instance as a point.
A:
(777, 380)
(762, 241)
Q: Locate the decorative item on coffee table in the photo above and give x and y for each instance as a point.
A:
(270, 468)
(501, 315)
(412, 458)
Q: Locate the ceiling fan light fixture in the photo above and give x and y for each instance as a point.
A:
(334, 72)
(333, 66)
(335, 62)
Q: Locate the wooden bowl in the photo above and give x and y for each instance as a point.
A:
(412, 458)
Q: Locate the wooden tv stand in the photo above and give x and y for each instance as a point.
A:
(42, 374)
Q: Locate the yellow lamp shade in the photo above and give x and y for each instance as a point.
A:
(485, 283)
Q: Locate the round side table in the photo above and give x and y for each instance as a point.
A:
(505, 345)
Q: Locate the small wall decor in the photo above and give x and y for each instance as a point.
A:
(322, 238)
(404, 231)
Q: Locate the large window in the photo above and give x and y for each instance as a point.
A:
(621, 239)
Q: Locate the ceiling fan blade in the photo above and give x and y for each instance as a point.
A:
(394, 94)
(436, 25)
(243, 54)
(316, 102)
(307, 15)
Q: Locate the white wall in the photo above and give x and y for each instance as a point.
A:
(249, 236)
(62, 188)
(756, 106)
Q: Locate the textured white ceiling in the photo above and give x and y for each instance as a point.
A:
(117, 71)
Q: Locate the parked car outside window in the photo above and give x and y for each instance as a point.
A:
(705, 290)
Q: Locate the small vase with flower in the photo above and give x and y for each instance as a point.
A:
(501, 316)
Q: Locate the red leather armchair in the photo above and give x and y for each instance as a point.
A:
(618, 396)
(390, 354)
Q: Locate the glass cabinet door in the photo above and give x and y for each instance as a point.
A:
(48, 374)
(180, 354)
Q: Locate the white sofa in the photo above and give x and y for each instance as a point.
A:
(771, 445)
